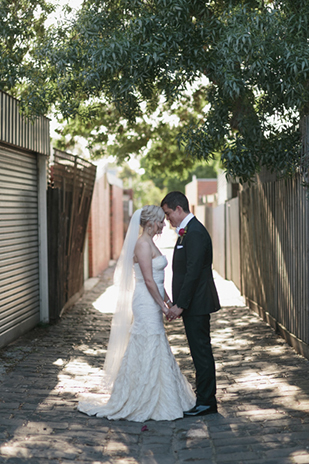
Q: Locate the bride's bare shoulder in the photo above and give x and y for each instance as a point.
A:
(142, 245)
(142, 248)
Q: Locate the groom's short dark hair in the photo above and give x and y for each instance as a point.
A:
(174, 199)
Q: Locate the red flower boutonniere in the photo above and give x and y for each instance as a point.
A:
(182, 233)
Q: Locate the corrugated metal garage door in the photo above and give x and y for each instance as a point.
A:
(19, 254)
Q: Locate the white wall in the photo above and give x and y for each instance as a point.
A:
(223, 188)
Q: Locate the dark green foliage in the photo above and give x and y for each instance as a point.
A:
(21, 24)
(153, 137)
(255, 55)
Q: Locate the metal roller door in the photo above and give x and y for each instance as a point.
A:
(19, 254)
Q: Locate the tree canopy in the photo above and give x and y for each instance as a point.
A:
(254, 54)
(151, 137)
(21, 27)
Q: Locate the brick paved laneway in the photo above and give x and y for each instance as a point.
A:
(263, 393)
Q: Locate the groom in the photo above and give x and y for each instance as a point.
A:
(194, 295)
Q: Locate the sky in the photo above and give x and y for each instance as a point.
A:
(60, 4)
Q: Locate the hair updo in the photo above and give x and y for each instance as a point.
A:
(151, 214)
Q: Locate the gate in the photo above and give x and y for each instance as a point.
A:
(68, 200)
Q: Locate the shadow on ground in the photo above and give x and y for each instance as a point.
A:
(263, 394)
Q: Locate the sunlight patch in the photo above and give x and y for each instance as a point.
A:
(59, 362)
(106, 303)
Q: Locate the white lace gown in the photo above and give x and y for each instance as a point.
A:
(149, 384)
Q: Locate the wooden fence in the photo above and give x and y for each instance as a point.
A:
(261, 243)
(232, 261)
(68, 201)
(274, 231)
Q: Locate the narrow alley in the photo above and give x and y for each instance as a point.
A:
(263, 392)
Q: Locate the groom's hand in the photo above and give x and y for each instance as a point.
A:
(174, 312)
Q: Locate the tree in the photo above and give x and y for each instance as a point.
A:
(175, 182)
(152, 137)
(145, 191)
(21, 25)
(254, 53)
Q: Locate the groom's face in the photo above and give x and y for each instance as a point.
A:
(173, 216)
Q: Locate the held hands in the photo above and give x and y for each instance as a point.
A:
(173, 313)
(166, 307)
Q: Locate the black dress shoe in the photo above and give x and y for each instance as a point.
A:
(201, 410)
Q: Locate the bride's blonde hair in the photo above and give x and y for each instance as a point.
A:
(151, 214)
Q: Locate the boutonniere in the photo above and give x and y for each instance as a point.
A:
(182, 233)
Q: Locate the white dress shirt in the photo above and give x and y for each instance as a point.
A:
(184, 222)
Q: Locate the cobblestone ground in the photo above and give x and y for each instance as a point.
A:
(263, 394)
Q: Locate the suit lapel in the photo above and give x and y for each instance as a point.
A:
(190, 223)
(178, 239)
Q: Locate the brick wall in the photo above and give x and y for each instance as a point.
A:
(199, 188)
(99, 228)
(206, 187)
(105, 227)
(116, 217)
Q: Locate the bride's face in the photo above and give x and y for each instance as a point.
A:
(159, 227)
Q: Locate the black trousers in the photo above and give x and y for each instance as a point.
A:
(198, 335)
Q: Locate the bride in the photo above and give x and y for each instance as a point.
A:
(140, 370)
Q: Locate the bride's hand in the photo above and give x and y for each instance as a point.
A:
(165, 309)
(174, 312)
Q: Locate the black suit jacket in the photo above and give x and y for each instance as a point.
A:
(193, 285)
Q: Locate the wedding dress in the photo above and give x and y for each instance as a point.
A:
(149, 384)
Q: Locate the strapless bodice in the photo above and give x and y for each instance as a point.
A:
(147, 313)
(158, 265)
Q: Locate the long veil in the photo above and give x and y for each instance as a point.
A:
(122, 320)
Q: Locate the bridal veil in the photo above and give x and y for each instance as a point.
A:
(122, 320)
